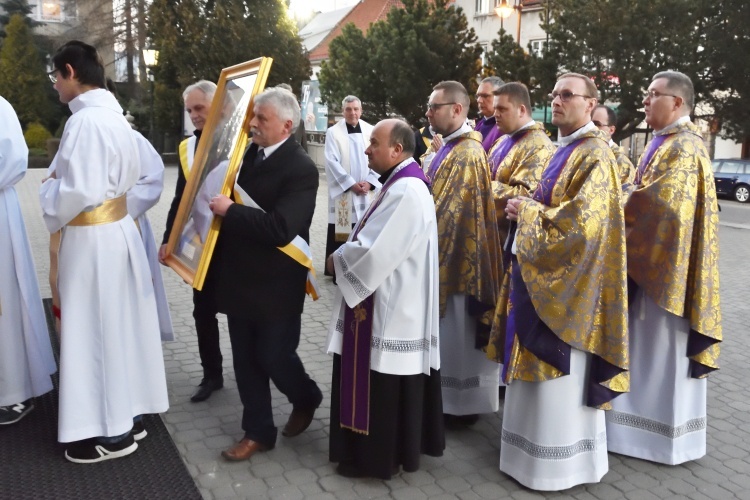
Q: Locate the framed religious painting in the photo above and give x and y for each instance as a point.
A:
(220, 150)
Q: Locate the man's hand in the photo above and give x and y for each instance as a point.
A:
(365, 187)
(511, 209)
(357, 188)
(329, 265)
(437, 142)
(162, 254)
(219, 204)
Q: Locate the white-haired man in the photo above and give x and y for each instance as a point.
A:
(260, 287)
(197, 98)
(350, 180)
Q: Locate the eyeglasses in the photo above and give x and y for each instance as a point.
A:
(434, 106)
(599, 124)
(566, 96)
(653, 94)
(52, 75)
(483, 96)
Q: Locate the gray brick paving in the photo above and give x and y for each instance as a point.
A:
(299, 467)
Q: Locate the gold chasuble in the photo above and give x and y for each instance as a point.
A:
(516, 172)
(625, 168)
(469, 247)
(673, 242)
(571, 255)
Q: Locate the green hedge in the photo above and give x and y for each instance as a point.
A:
(36, 136)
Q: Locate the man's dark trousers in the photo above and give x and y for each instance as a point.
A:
(207, 328)
(265, 350)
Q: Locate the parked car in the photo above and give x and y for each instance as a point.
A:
(732, 178)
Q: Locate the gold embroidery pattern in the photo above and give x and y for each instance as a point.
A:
(673, 242)
(625, 167)
(572, 259)
(469, 246)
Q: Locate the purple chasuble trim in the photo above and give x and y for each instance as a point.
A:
(440, 156)
(500, 153)
(648, 156)
(355, 352)
(543, 192)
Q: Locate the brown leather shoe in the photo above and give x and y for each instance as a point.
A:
(298, 421)
(243, 450)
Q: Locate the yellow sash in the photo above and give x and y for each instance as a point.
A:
(298, 249)
(109, 211)
(183, 150)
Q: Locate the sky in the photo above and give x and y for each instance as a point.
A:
(303, 7)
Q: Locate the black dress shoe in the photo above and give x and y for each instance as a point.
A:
(207, 386)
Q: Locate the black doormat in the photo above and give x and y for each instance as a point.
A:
(32, 465)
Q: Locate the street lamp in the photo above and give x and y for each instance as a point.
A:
(151, 58)
(504, 10)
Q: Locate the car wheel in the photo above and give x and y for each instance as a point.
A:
(742, 193)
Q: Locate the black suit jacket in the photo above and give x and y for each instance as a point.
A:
(253, 277)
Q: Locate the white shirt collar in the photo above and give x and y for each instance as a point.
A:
(564, 141)
(268, 151)
(679, 121)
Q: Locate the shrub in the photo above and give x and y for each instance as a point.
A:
(36, 135)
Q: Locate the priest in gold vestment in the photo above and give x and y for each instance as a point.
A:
(518, 158)
(469, 257)
(564, 340)
(673, 252)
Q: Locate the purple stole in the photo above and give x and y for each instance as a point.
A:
(656, 142)
(355, 352)
(490, 133)
(500, 153)
(518, 293)
(440, 156)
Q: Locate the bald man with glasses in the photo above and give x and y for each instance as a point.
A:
(564, 337)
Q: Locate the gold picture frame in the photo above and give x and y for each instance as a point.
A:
(217, 160)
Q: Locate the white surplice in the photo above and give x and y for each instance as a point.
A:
(26, 359)
(346, 165)
(550, 440)
(663, 417)
(141, 197)
(395, 257)
(111, 365)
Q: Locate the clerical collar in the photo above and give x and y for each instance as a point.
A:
(612, 143)
(393, 170)
(353, 130)
(488, 118)
(524, 127)
(461, 130)
(564, 141)
(679, 121)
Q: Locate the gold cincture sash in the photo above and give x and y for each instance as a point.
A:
(109, 211)
(298, 249)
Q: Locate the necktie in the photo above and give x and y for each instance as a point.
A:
(259, 158)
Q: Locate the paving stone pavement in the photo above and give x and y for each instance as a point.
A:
(299, 467)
